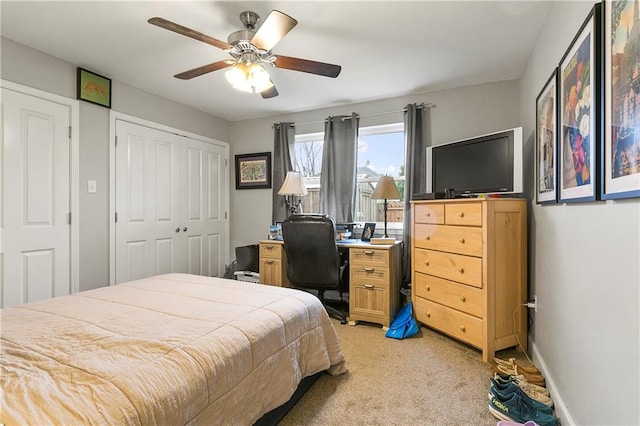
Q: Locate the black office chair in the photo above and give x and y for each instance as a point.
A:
(313, 259)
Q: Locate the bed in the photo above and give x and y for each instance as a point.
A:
(170, 349)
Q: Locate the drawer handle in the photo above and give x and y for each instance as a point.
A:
(428, 287)
(461, 214)
(269, 261)
(428, 314)
(462, 328)
(368, 269)
(269, 247)
(368, 252)
(426, 262)
(427, 238)
(369, 286)
(461, 270)
(428, 214)
(463, 299)
(462, 240)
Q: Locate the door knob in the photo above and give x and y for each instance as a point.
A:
(184, 229)
(177, 229)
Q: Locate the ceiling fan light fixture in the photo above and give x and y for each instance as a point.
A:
(252, 78)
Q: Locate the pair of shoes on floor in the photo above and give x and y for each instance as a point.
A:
(535, 392)
(504, 391)
(511, 363)
(510, 423)
(515, 409)
(516, 370)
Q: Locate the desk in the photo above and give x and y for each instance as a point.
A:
(374, 277)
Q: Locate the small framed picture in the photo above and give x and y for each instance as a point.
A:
(547, 142)
(367, 232)
(94, 88)
(253, 171)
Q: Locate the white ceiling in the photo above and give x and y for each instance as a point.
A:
(385, 48)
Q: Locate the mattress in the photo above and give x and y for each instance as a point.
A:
(171, 349)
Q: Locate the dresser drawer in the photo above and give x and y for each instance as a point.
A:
(458, 296)
(453, 239)
(456, 267)
(454, 323)
(428, 213)
(467, 214)
(272, 251)
(365, 275)
(369, 257)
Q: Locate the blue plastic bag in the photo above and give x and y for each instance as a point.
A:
(403, 325)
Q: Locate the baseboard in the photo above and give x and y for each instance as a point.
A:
(561, 409)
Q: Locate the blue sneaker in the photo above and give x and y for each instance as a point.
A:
(515, 409)
(504, 391)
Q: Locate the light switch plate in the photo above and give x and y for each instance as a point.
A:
(91, 186)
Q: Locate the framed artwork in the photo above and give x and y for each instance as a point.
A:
(94, 88)
(621, 142)
(367, 231)
(580, 100)
(547, 141)
(253, 170)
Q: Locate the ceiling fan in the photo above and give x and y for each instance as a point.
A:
(251, 50)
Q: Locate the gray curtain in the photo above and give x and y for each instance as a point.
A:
(417, 130)
(338, 178)
(284, 136)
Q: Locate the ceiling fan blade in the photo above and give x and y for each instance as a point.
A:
(305, 65)
(203, 70)
(276, 26)
(177, 28)
(269, 93)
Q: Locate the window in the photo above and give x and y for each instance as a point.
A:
(380, 152)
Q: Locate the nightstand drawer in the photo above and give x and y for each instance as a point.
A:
(453, 239)
(456, 267)
(369, 257)
(467, 214)
(458, 296)
(272, 251)
(428, 213)
(454, 323)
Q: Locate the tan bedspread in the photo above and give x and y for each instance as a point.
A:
(172, 349)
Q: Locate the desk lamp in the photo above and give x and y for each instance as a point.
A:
(293, 189)
(387, 190)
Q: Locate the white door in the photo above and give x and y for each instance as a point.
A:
(204, 207)
(170, 213)
(35, 244)
(148, 181)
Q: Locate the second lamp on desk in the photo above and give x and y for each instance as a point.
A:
(387, 190)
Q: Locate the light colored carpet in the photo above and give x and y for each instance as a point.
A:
(428, 379)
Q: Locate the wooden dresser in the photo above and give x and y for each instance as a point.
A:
(273, 263)
(469, 270)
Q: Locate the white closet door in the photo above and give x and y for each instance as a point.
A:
(203, 206)
(148, 181)
(35, 234)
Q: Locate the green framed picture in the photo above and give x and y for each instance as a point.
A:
(94, 88)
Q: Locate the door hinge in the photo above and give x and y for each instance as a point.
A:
(69, 218)
(225, 163)
(116, 141)
(225, 215)
(70, 132)
(116, 217)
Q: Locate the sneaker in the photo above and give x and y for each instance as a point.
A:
(508, 423)
(535, 379)
(515, 409)
(503, 392)
(522, 382)
(532, 369)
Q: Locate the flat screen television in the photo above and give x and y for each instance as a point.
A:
(489, 164)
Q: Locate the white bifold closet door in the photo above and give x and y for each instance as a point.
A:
(35, 235)
(170, 213)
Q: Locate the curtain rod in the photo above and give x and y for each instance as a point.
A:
(422, 105)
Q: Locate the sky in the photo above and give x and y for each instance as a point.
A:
(384, 152)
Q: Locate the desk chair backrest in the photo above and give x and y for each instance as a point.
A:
(313, 260)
